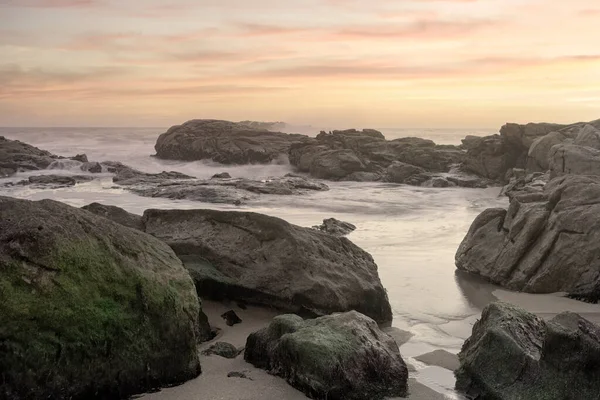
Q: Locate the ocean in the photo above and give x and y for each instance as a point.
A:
(412, 232)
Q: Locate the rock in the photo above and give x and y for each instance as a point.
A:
(530, 184)
(546, 242)
(226, 350)
(365, 155)
(572, 159)
(90, 309)
(339, 356)
(238, 374)
(399, 172)
(265, 260)
(55, 181)
(127, 176)
(224, 142)
(117, 215)
(92, 167)
(439, 182)
(336, 227)
(222, 175)
(539, 152)
(487, 157)
(277, 126)
(82, 158)
(18, 156)
(513, 354)
(467, 181)
(588, 136)
(231, 318)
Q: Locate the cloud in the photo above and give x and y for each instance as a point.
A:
(50, 3)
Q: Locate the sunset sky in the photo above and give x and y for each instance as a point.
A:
(344, 63)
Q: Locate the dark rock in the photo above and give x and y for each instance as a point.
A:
(568, 159)
(81, 158)
(222, 175)
(92, 167)
(231, 318)
(440, 358)
(18, 156)
(117, 215)
(265, 260)
(467, 181)
(55, 181)
(339, 356)
(335, 227)
(530, 184)
(546, 242)
(539, 152)
(238, 374)
(439, 182)
(90, 309)
(222, 349)
(224, 142)
(399, 172)
(513, 354)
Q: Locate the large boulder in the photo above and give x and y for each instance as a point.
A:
(573, 159)
(546, 242)
(486, 157)
(89, 309)
(399, 172)
(18, 156)
(266, 260)
(513, 354)
(224, 142)
(588, 136)
(539, 152)
(336, 357)
(117, 215)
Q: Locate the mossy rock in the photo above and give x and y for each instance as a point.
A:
(339, 356)
(89, 309)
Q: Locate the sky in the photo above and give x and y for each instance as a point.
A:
(340, 63)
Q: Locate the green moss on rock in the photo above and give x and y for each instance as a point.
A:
(89, 309)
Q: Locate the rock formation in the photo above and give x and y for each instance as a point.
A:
(336, 357)
(513, 354)
(268, 261)
(90, 309)
(545, 242)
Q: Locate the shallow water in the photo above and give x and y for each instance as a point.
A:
(412, 233)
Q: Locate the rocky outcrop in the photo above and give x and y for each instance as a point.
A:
(335, 227)
(339, 356)
(366, 156)
(18, 156)
(52, 181)
(117, 215)
(589, 136)
(90, 309)
(521, 184)
(513, 354)
(225, 142)
(517, 146)
(546, 242)
(573, 159)
(266, 260)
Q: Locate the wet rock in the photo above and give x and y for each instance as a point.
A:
(226, 350)
(266, 260)
(546, 242)
(82, 158)
(55, 181)
(439, 182)
(224, 142)
(399, 172)
(90, 309)
(513, 354)
(92, 167)
(238, 374)
(116, 214)
(335, 227)
(231, 318)
(467, 181)
(339, 356)
(222, 175)
(18, 156)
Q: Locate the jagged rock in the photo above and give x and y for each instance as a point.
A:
(399, 172)
(335, 227)
(231, 318)
(539, 152)
(81, 158)
(117, 215)
(92, 167)
(90, 309)
(513, 354)
(224, 142)
(588, 136)
(265, 260)
(439, 182)
(572, 159)
(339, 356)
(226, 350)
(522, 185)
(546, 242)
(222, 175)
(18, 156)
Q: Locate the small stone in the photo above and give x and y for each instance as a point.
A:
(231, 318)
(238, 374)
(222, 349)
(222, 175)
